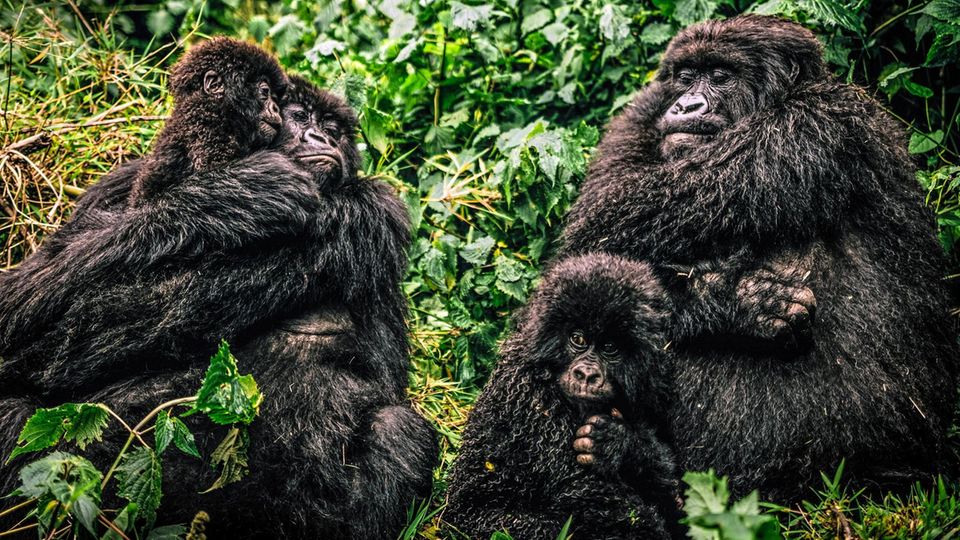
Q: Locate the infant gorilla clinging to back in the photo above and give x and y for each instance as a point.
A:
(567, 425)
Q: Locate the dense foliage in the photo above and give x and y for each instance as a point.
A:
(482, 114)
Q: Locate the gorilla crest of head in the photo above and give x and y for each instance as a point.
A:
(595, 329)
(319, 130)
(719, 72)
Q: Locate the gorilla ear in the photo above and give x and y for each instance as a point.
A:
(213, 83)
(794, 70)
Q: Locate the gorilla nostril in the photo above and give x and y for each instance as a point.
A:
(589, 375)
(690, 103)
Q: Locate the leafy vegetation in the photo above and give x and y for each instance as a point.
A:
(483, 115)
(64, 491)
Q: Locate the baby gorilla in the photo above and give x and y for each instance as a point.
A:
(569, 422)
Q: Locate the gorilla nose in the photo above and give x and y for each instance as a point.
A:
(588, 374)
(689, 106)
(316, 137)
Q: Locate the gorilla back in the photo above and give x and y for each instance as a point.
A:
(812, 322)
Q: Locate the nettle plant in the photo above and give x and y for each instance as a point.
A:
(62, 492)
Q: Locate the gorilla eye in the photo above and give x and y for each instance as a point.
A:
(609, 348)
(299, 115)
(720, 76)
(686, 76)
(332, 129)
(578, 339)
(263, 91)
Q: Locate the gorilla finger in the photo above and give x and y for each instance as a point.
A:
(599, 420)
(584, 445)
(585, 459)
(585, 430)
(806, 297)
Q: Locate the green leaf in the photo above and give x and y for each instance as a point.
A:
(225, 396)
(434, 265)
(706, 493)
(536, 21)
(556, 33)
(123, 521)
(614, 25)
(476, 252)
(508, 269)
(694, 11)
(79, 422)
(231, 456)
(183, 439)
(259, 27)
(68, 479)
(945, 10)
(925, 142)
(170, 429)
(287, 33)
(160, 22)
(656, 33)
(163, 431)
(375, 128)
(168, 532)
(139, 477)
(469, 17)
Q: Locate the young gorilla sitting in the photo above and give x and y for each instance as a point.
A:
(569, 423)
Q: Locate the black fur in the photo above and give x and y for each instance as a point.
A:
(811, 317)
(317, 316)
(518, 470)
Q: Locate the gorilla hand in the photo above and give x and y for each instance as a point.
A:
(601, 443)
(780, 303)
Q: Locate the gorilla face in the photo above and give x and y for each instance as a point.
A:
(714, 75)
(597, 322)
(318, 131)
(592, 372)
(710, 99)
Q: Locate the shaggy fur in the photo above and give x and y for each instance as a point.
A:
(802, 219)
(518, 470)
(316, 317)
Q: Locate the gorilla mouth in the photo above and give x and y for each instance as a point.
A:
(267, 130)
(328, 159)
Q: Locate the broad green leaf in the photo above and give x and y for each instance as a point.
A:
(163, 430)
(139, 477)
(925, 142)
(536, 21)
(945, 10)
(122, 521)
(70, 480)
(614, 25)
(183, 439)
(160, 22)
(469, 17)
(476, 252)
(225, 396)
(693, 11)
(556, 33)
(231, 456)
(656, 34)
(78, 422)
(168, 532)
(706, 493)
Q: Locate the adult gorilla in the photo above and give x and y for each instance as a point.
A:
(318, 318)
(781, 209)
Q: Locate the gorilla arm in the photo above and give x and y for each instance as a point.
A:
(264, 196)
(355, 246)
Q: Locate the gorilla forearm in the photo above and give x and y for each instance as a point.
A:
(353, 254)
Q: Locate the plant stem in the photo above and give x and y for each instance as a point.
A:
(135, 433)
(19, 529)
(17, 507)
